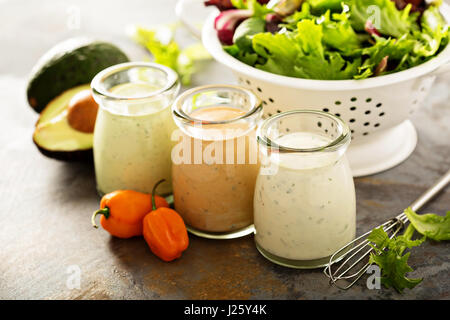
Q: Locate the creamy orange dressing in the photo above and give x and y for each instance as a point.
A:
(218, 197)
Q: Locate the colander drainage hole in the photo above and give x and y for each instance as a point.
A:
(366, 123)
(271, 100)
(381, 114)
(259, 89)
(325, 109)
(376, 125)
(352, 108)
(365, 133)
(379, 105)
(351, 120)
(319, 124)
(337, 102)
(337, 114)
(367, 112)
(353, 99)
(248, 82)
(368, 100)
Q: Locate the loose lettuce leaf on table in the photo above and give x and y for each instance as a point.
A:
(430, 225)
(388, 255)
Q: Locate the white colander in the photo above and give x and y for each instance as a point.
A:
(375, 109)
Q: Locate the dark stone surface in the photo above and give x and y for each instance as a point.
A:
(46, 205)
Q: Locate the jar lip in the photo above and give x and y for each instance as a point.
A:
(342, 139)
(171, 80)
(181, 115)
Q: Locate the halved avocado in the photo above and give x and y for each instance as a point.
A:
(53, 135)
(70, 63)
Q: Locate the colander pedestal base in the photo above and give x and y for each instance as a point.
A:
(382, 150)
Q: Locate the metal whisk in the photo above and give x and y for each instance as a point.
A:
(349, 262)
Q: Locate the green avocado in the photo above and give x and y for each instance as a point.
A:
(68, 64)
(53, 135)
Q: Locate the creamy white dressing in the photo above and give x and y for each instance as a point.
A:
(132, 142)
(306, 210)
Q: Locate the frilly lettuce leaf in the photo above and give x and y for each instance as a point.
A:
(434, 33)
(338, 32)
(430, 225)
(322, 6)
(322, 41)
(384, 15)
(302, 54)
(160, 42)
(388, 255)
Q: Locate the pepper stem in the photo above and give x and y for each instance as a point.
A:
(104, 211)
(153, 193)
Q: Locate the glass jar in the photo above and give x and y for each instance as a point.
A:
(215, 163)
(304, 204)
(132, 136)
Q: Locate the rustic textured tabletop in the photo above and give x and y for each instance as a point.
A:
(46, 205)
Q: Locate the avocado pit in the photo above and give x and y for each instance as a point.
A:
(82, 112)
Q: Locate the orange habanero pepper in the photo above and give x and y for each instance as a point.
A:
(123, 212)
(165, 232)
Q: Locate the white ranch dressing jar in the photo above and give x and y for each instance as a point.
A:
(304, 203)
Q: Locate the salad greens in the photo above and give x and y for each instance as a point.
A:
(430, 225)
(160, 41)
(334, 40)
(388, 253)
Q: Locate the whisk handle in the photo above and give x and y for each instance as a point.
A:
(431, 192)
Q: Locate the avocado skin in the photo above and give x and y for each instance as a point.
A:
(86, 155)
(68, 64)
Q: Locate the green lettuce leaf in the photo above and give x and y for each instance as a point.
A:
(384, 16)
(430, 225)
(434, 34)
(259, 10)
(338, 32)
(292, 20)
(388, 255)
(302, 54)
(322, 6)
(160, 42)
(278, 50)
(397, 51)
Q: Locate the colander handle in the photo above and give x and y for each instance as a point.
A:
(187, 18)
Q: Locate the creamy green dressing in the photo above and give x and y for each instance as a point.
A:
(132, 142)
